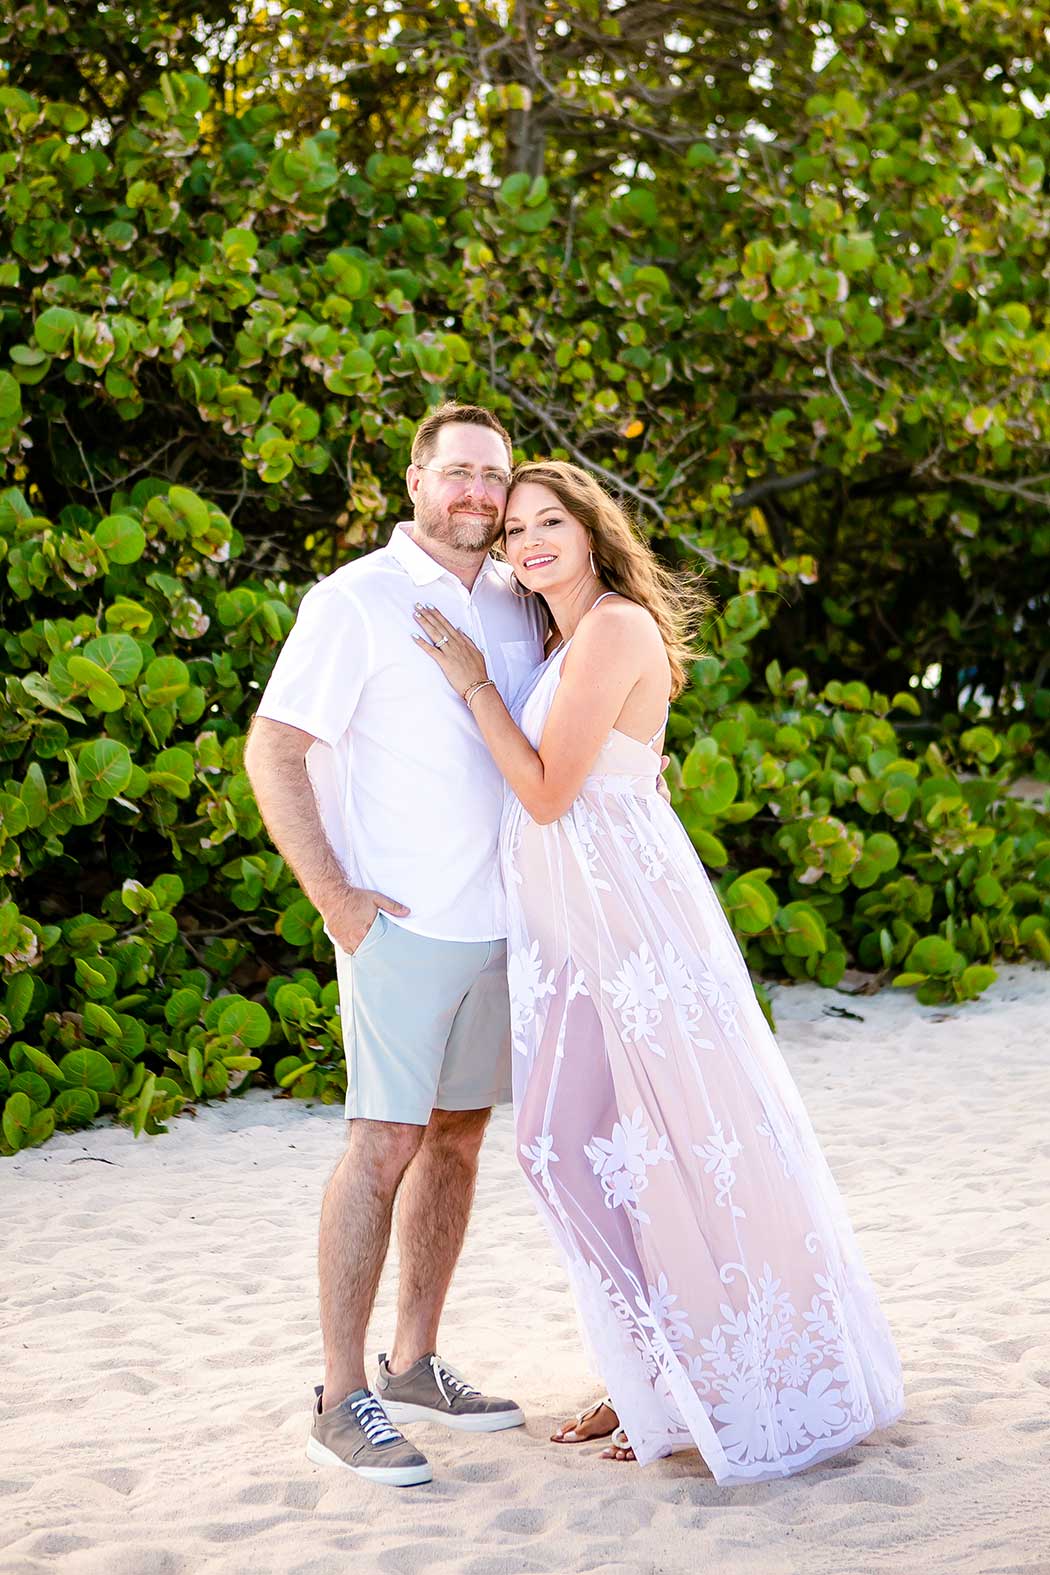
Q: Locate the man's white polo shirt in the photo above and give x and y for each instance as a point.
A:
(408, 794)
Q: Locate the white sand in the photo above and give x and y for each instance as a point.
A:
(162, 1343)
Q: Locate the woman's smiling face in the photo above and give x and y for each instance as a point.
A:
(546, 546)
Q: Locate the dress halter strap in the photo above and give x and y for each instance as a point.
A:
(563, 644)
(660, 729)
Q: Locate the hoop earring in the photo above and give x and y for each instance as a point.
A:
(514, 582)
(594, 567)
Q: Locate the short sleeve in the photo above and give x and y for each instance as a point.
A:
(320, 672)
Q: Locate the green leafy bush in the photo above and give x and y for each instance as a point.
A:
(156, 950)
(139, 897)
(806, 337)
(842, 842)
(807, 333)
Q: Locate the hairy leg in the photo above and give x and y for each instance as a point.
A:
(432, 1214)
(352, 1244)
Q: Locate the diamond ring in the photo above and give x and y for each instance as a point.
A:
(442, 641)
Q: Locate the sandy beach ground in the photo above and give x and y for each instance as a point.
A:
(161, 1342)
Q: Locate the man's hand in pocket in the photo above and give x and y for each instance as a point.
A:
(350, 921)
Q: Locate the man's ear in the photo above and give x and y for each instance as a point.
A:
(413, 477)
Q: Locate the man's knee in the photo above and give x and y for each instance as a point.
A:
(384, 1148)
(459, 1132)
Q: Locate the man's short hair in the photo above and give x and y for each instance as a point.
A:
(425, 441)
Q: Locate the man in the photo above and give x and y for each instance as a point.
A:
(375, 786)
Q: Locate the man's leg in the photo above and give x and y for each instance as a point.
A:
(353, 1241)
(433, 1210)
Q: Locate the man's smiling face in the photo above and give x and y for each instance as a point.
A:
(460, 492)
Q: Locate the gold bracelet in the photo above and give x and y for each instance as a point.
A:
(473, 689)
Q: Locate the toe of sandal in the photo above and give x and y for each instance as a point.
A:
(568, 1435)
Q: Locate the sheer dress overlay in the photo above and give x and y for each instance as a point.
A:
(719, 1285)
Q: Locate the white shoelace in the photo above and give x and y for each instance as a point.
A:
(443, 1374)
(375, 1424)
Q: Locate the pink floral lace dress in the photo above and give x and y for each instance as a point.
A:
(719, 1286)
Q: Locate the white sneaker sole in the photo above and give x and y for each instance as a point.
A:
(391, 1476)
(477, 1422)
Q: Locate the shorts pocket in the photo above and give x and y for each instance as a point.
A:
(372, 934)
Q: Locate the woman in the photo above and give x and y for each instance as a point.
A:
(718, 1282)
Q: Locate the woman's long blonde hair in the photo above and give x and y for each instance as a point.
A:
(625, 563)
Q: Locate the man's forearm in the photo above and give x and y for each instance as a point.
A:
(275, 760)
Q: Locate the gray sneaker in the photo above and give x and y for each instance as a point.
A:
(432, 1391)
(358, 1435)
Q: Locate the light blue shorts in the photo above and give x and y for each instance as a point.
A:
(426, 1024)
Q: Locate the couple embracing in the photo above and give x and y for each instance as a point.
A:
(459, 757)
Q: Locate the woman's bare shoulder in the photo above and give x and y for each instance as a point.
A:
(621, 641)
(618, 618)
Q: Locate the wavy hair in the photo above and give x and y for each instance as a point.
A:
(625, 562)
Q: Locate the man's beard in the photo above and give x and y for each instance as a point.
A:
(448, 525)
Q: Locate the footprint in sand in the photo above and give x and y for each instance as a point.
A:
(55, 1545)
(516, 1563)
(520, 1521)
(987, 1258)
(617, 1517)
(868, 1490)
(261, 1493)
(480, 1471)
(128, 1382)
(131, 1560)
(407, 1558)
(118, 1478)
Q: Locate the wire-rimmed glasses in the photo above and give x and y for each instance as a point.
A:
(492, 480)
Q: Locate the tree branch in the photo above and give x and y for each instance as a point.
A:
(843, 401)
(769, 484)
(525, 403)
(1012, 489)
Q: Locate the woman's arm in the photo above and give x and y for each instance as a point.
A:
(609, 654)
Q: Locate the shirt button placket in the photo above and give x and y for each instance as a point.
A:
(476, 628)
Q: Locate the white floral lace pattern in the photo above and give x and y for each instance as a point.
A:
(652, 855)
(718, 1154)
(722, 1289)
(685, 993)
(764, 1129)
(622, 1161)
(637, 992)
(541, 1153)
(585, 827)
(778, 1385)
(528, 985)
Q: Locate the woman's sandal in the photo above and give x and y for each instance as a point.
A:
(567, 1434)
(620, 1448)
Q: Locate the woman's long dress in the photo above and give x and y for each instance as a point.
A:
(718, 1282)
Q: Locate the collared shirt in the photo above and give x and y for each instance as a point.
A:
(408, 794)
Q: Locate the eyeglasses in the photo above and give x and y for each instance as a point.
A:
(459, 475)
